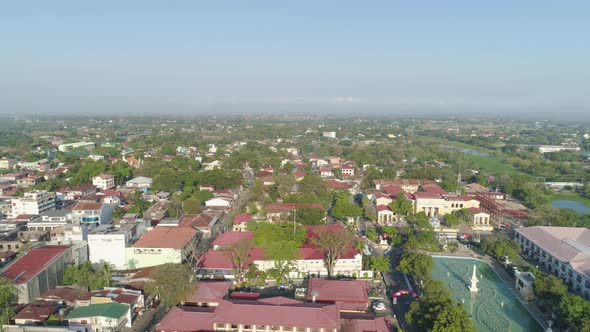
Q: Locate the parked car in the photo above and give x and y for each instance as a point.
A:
(379, 306)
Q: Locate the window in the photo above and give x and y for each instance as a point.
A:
(247, 327)
(234, 327)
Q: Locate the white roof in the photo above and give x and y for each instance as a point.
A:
(141, 180)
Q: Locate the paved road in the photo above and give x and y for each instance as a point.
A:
(396, 281)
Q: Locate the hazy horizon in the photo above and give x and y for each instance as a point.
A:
(377, 57)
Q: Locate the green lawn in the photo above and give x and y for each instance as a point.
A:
(492, 165)
(569, 196)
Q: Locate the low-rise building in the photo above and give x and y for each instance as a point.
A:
(271, 314)
(33, 202)
(38, 270)
(348, 295)
(108, 244)
(161, 245)
(480, 221)
(104, 181)
(523, 282)
(74, 146)
(103, 317)
(140, 182)
(92, 213)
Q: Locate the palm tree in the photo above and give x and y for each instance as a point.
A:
(106, 270)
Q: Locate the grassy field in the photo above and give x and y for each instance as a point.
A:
(568, 196)
(489, 164)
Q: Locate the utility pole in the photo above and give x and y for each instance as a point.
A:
(294, 219)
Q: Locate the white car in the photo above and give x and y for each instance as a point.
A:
(379, 306)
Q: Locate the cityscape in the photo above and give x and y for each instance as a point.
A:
(294, 167)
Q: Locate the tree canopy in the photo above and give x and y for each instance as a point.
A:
(173, 283)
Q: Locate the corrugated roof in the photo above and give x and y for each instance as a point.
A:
(175, 237)
(32, 262)
(110, 310)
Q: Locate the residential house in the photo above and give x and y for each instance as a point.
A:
(241, 222)
(92, 213)
(36, 313)
(347, 170)
(29, 181)
(104, 181)
(103, 317)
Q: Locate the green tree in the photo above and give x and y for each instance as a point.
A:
(172, 283)
(574, 311)
(380, 263)
(401, 205)
(343, 208)
(369, 210)
(501, 246)
(307, 215)
(417, 265)
(118, 213)
(452, 220)
(549, 289)
(436, 311)
(7, 292)
(239, 254)
(333, 244)
(191, 206)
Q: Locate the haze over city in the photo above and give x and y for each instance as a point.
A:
(197, 57)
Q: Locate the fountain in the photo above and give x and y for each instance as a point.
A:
(490, 303)
(474, 281)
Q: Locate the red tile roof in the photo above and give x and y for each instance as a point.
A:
(375, 324)
(349, 294)
(85, 206)
(427, 195)
(335, 184)
(242, 218)
(175, 237)
(209, 292)
(435, 189)
(230, 238)
(216, 259)
(196, 220)
(185, 319)
(383, 208)
(32, 262)
(393, 189)
(474, 210)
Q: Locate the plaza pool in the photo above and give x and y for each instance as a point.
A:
(493, 307)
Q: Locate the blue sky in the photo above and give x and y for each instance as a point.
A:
(206, 56)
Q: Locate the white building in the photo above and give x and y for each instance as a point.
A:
(558, 148)
(77, 145)
(564, 251)
(6, 163)
(219, 202)
(347, 170)
(104, 181)
(139, 182)
(92, 213)
(161, 245)
(33, 202)
(329, 134)
(107, 244)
